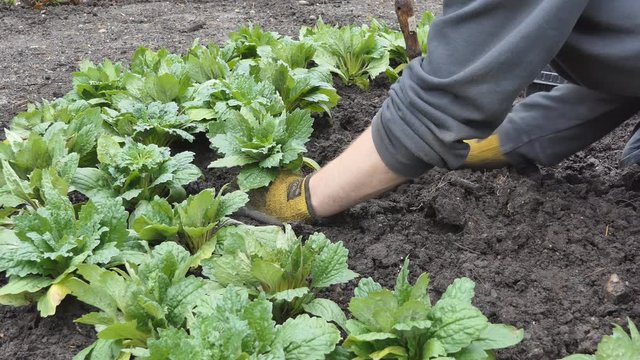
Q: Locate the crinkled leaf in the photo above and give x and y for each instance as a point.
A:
(306, 338)
(330, 265)
(456, 324)
(255, 177)
(366, 286)
(461, 289)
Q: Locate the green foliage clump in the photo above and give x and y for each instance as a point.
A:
(262, 144)
(154, 123)
(249, 39)
(351, 52)
(192, 223)
(134, 305)
(403, 324)
(47, 246)
(235, 327)
(96, 83)
(135, 172)
(290, 272)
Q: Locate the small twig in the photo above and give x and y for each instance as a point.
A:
(466, 248)
(629, 202)
(440, 184)
(595, 272)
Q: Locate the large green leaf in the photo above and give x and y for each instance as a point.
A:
(330, 265)
(20, 291)
(456, 324)
(255, 177)
(306, 338)
(125, 330)
(328, 310)
(499, 336)
(461, 289)
(376, 311)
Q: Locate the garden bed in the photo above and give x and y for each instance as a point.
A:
(540, 247)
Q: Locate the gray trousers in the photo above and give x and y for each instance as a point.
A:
(548, 127)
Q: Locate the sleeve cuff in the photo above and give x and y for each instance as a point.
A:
(393, 153)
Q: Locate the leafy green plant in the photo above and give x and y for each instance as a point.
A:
(154, 221)
(155, 123)
(402, 324)
(96, 83)
(215, 98)
(619, 345)
(17, 195)
(234, 327)
(147, 61)
(38, 117)
(27, 151)
(261, 143)
(157, 76)
(351, 52)
(48, 244)
(300, 88)
(192, 222)
(267, 259)
(248, 39)
(134, 305)
(391, 40)
(296, 54)
(200, 215)
(58, 152)
(136, 172)
(34, 152)
(208, 62)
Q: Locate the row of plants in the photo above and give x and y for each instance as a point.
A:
(93, 205)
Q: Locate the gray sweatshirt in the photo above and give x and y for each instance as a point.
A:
(482, 53)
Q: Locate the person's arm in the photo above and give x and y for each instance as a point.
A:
(356, 175)
(481, 54)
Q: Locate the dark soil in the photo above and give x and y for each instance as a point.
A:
(540, 247)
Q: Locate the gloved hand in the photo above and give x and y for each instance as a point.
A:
(287, 198)
(485, 153)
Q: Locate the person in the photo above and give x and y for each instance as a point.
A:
(482, 53)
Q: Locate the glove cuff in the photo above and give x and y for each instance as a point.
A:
(485, 153)
(314, 219)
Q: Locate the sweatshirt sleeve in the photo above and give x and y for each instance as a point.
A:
(482, 53)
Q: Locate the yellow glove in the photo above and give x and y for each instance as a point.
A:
(485, 153)
(287, 198)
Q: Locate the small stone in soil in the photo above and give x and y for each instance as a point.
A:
(617, 292)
